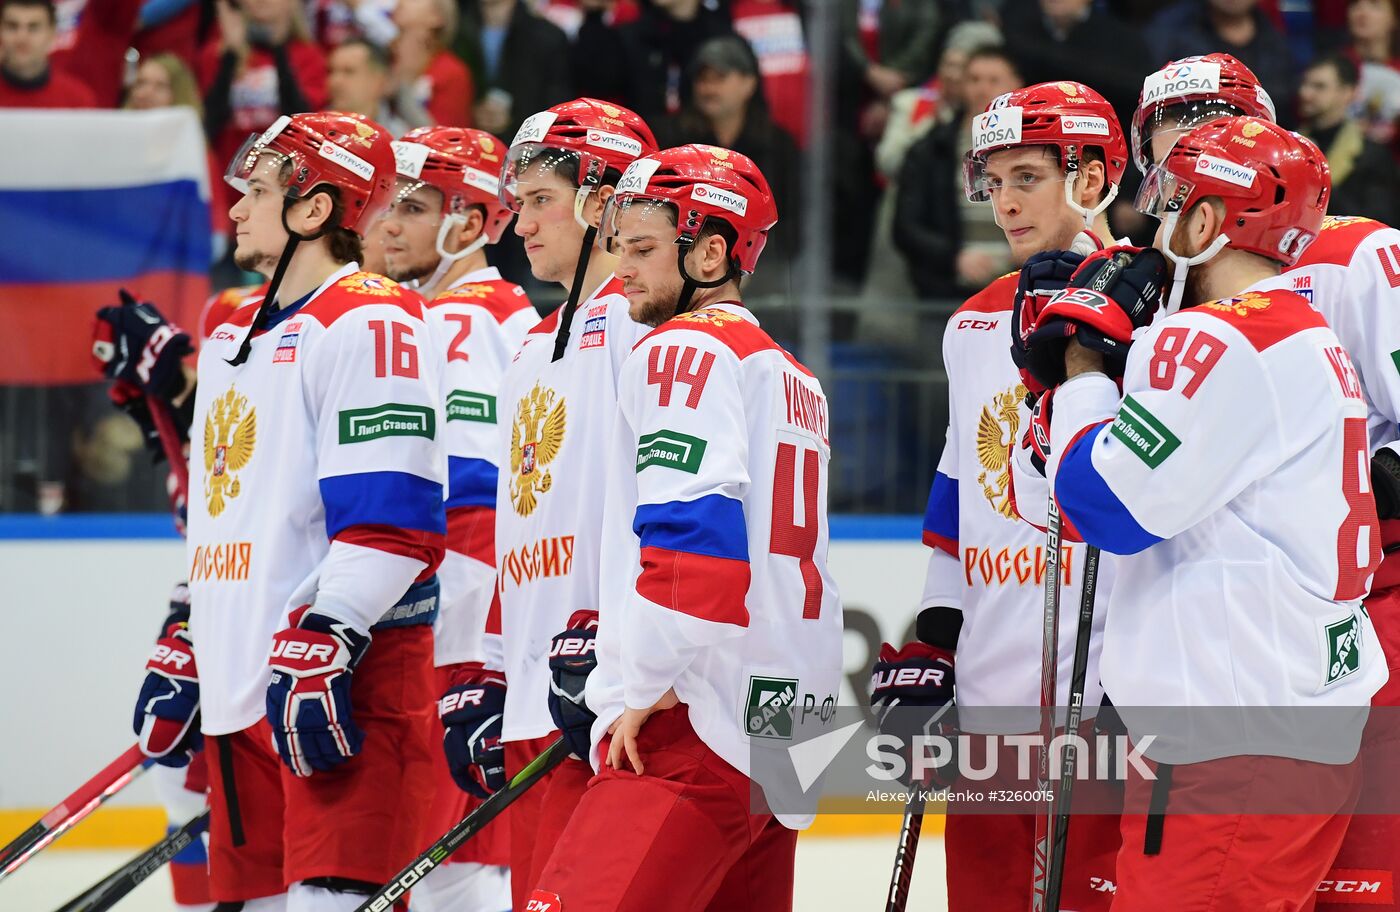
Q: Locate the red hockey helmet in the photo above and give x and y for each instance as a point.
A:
(1274, 184)
(691, 185)
(462, 164)
(1188, 92)
(592, 135)
(1067, 115)
(347, 151)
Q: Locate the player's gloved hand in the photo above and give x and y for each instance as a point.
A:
(1043, 275)
(471, 712)
(1037, 438)
(133, 342)
(908, 687)
(308, 701)
(1385, 482)
(167, 709)
(571, 660)
(1114, 292)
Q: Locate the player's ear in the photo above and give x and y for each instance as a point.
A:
(312, 214)
(470, 229)
(593, 207)
(1091, 184)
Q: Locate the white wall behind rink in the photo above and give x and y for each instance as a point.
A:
(78, 617)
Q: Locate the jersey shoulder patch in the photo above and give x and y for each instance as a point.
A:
(733, 331)
(997, 297)
(1265, 318)
(501, 300)
(1336, 243)
(358, 290)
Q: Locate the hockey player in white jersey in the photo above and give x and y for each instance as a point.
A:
(1351, 274)
(446, 211)
(716, 604)
(315, 527)
(557, 399)
(1049, 158)
(1246, 540)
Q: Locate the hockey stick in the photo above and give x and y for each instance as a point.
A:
(909, 832)
(71, 810)
(170, 443)
(110, 890)
(384, 898)
(1045, 891)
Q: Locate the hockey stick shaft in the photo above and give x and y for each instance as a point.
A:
(1070, 751)
(170, 443)
(107, 892)
(1043, 897)
(68, 812)
(908, 848)
(384, 898)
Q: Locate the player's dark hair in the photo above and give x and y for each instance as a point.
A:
(345, 245)
(45, 5)
(565, 164)
(1348, 73)
(995, 52)
(1088, 154)
(713, 227)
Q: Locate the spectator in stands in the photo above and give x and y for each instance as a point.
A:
(1374, 29)
(27, 30)
(1236, 27)
(358, 82)
(654, 66)
(435, 86)
(333, 22)
(595, 53)
(91, 44)
(520, 63)
(728, 109)
(773, 28)
(261, 65)
(953, 247)
(891, 45)
(169, 26)
(1071, 39)
(163, 81)
(1363, 173)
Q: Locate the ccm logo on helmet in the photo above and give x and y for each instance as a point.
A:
(907, 677)
(1186, 79)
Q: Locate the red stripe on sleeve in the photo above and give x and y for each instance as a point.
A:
(709, 588)
(942, 542)
(414, 543)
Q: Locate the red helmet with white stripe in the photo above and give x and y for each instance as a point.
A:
(697, 184)
(1191, 91)
(462, 164)
(347, 151)
(587, 136)
(1069, 116)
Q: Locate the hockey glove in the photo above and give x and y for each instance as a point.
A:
(134, 342)
(167, 709)
(571, 659)
(908, 689)
(1114, 292)
(471, 712)
(308, 701)
(1043, 275)
(1038, 431)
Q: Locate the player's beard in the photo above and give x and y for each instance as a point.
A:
(411, 272)
(255, 261)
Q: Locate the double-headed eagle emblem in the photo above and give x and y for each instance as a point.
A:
(230, 433)
(996, 435)
(536, 435)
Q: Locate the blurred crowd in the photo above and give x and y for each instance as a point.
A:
(910, 75)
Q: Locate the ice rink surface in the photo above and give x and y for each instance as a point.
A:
(850, 874)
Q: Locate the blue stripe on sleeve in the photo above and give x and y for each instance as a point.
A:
(396, 499)
(941, 516)
(1087, 500)
(470, 482)
(712, 525)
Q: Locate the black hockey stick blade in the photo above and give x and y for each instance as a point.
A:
(909, 832)
(111, 889)
(384, 898)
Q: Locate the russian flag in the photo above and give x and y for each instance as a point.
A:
(93, 201)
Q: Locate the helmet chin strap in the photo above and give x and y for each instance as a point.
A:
(691, 283)
(1088, 214)
(1183, 264)
(446, 260)
(590, 234)
(265, 307)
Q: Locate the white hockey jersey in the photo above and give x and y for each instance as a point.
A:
(549, 524)
(316, 476)
(715, 577)
(1231, 474)
(478, 325)
(985, 560)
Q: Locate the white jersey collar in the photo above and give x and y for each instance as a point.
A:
(485, 274)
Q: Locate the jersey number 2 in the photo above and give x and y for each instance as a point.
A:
(1359, 536)
(788, 537)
